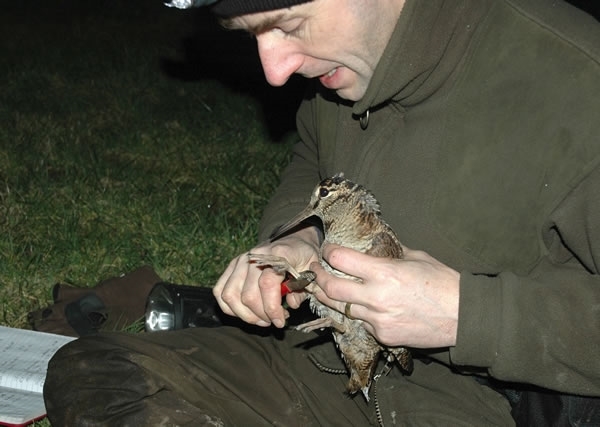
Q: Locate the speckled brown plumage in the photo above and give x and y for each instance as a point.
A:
(351, 217)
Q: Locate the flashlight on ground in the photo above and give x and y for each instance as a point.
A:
(170, 306)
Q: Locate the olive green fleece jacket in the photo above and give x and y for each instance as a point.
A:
(483, 148)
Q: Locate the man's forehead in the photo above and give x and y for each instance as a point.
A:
(257, 23)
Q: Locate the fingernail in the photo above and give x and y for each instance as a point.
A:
(279, 323)
(262, 323)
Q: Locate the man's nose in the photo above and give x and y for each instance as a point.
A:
(278, 58)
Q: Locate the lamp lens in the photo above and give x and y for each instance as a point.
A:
(159, 310)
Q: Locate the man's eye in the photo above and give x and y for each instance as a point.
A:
(292, 28)
(288, 31)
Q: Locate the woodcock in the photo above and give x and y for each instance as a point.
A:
(351, 218)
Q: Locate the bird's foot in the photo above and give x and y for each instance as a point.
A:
(298, 280)
(321, 323)
(277, 263)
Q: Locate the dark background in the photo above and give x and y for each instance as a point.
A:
(590, 6)
(231, 57)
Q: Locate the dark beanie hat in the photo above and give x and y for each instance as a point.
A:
(228, 8)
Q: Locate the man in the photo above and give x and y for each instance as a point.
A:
(475, 125)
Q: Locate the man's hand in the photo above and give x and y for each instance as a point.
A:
(411, 301)
(253, 293)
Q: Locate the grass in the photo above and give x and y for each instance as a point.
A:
(131, 134)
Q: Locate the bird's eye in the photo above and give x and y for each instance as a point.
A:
(323, 192)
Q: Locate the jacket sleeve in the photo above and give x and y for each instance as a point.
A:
(542, 329)
(298, 179)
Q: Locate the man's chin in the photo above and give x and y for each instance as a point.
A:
(353, 92)
(350, 94)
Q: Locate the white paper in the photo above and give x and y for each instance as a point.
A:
(24, 357)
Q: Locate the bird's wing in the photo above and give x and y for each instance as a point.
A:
(386, 246)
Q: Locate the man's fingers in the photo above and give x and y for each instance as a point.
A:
(236, 297)
(334, 291)
(220, 286)
(334, 285)
(269, 284)
(348, 260)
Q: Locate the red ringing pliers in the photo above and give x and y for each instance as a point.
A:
(291, 284)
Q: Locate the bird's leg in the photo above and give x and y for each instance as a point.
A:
(320, 323)
(299, 280)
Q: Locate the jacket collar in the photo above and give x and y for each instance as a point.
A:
(430, 39)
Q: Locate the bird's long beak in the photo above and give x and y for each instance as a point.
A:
(283, 229)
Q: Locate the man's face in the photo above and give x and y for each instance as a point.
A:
(337, 41)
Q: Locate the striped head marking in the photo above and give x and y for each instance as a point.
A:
(338, 193)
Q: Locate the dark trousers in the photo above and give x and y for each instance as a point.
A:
(533, 407)
(225, 376)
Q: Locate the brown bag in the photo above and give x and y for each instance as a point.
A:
(112, 304)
